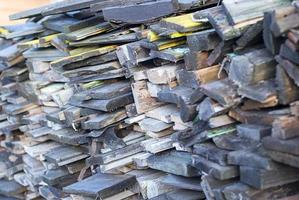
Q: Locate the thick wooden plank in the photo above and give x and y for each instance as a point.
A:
(256, 66)
(178, 163)
(285, 128)
(251, 159)
(223, 91)
(103, 185)
(286, 146)
(142, 98)
(210, 152)
(263, 179)
(137, 14)
(203, 41)
(253, 131)
(217, 171)
(245, 10)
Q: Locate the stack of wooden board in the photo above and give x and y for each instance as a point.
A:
(150, 99)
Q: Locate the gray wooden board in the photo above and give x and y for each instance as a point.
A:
(96, 7)
(263, 179)
(244, 10)
(285, 128)
(22, 30)
(68, 136)
(213, 188)
(254, 132)
(240, 190)
(54, 8)
(11, 188)
(284, 158)
(291, 69)
(115, 155)
(203, 40)
(71, 5)
(65, 155)
(251, 159)
(219, 21)
(217, 171)
(182, 182)
(271, 42)
(60, 176)
(286, 146)
(187, 112)
(104, 120)
(66, 24)
(140, 13)
(101, 185)
(287, 53)
(261, 117)
(223, 91)
(211, 152)
(257, 65)
(96, 60)
(105, 105)
(174, 95)
(180, 194)
(283, 24)
(110, 38)
(196, 60)
(178, 163)
(251, 36)
(259, 92)
(233, 142)
(111, 90)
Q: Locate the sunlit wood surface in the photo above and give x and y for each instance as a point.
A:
(8, 7)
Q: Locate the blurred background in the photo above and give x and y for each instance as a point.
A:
(8, 7)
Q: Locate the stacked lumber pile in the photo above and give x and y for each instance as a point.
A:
(151, 99)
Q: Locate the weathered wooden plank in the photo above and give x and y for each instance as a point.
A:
(285, 127)
(289, 54)
(182, 182)
(189, 96)
(106, 105)
(286, 146)
(103, 185)
(209, 108)
(240, 190)
(251, 159)
(210, 152)
(284, 19)
(137, 14)
(178, 163)
(220, 22)
(253, 131)
(245, 10)
(64, 155)
(284, 158)
(256, 66)
(203, 41)
(263, 179)
(217, 171)
(153, 125)
(223, 91)
(232, 142)
(193, 79)
(196, 60)
(213, 188)
(142, 98)
(157, 145)
(271, 42)
(260, 117)
(115, 155)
